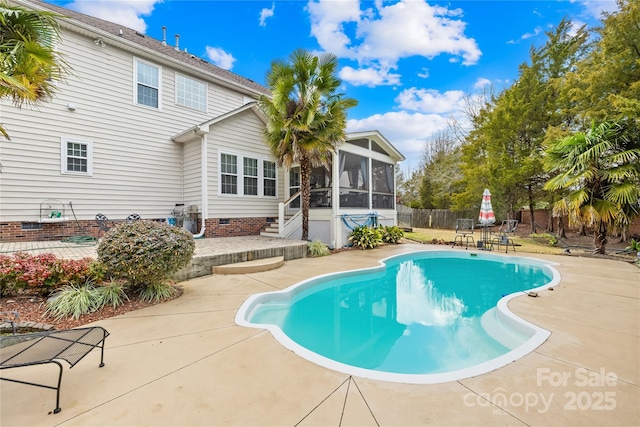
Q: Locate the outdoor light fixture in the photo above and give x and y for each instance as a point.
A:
(99, 42)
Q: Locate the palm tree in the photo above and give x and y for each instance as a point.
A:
(28, 62)
(600, 170)
(306, 118)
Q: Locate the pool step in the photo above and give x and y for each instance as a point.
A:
(254, 266)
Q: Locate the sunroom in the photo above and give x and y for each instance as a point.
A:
(357, 188)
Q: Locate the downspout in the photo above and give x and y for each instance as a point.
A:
(203, 167)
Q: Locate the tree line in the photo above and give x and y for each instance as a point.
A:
(564, 136)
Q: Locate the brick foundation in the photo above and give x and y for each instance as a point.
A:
(16, 231)
(216, 227)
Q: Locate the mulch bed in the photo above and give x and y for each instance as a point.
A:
(32, 309)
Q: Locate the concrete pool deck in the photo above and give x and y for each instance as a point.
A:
(186, 363)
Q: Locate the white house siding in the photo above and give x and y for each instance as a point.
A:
(136, 167)
(192, 174)
(240, 134)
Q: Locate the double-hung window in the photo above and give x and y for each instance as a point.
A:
(191, 93)
(269, 172)
(147, 84)
(76, 157)
(250, 176)
(247, 176)
(228, 174)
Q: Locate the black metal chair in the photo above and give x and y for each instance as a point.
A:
(464, 231)
(506, 232)
(103, 223)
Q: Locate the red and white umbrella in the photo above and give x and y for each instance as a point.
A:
(487, 216)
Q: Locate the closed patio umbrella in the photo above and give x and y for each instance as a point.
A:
(487, 217)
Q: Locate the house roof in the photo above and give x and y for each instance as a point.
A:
(376, 136)
(199, 130)
(127, 37)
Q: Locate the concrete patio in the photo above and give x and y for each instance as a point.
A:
(186, 362)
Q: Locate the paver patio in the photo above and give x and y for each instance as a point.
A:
(186, 363)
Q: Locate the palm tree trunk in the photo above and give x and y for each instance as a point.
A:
(561, 232)
(600, 238)
(305, 193)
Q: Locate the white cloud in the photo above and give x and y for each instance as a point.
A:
(219, 57)
(526, 36)
(371, 76)
(595, 8)
(424, 73)
(266, 13)
(529, 35)
(327, 24)
(406, 131)
(381, 35)
(481, 82)
(429, 100)
(126, 12)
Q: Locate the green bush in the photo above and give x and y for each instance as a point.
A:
(317, 248)
(364, 237)
(145, 253)
(634, 246)
(391, 233)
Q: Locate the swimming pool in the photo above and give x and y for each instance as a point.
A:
(421, 317)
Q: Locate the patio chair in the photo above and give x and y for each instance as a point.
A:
(103, 223)
(133, 217)
(42, 348)
(506, 232)
(464, 232)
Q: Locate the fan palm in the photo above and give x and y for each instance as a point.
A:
(28, 62)
(306, 118)
(600, 170)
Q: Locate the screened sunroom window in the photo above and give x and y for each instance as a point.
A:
(382, 177)
(354, 185)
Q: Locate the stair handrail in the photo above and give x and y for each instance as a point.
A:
(282, 209)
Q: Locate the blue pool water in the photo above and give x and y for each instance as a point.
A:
(419, 313)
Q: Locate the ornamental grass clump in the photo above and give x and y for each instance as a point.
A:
(145, 253)
(317, 248)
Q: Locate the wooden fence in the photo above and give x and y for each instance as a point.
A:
(432, 218)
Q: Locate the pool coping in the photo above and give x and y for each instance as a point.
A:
(537, 334)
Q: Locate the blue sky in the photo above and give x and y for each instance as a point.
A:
(410, 64)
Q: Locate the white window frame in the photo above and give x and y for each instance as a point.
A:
(256, 176)
(274, 178)
(240, 175)
(137, 61)
(190, 79)
(63, 156)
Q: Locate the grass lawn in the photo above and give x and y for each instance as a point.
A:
(537, 245)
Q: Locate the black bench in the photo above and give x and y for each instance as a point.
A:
(70, 345)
